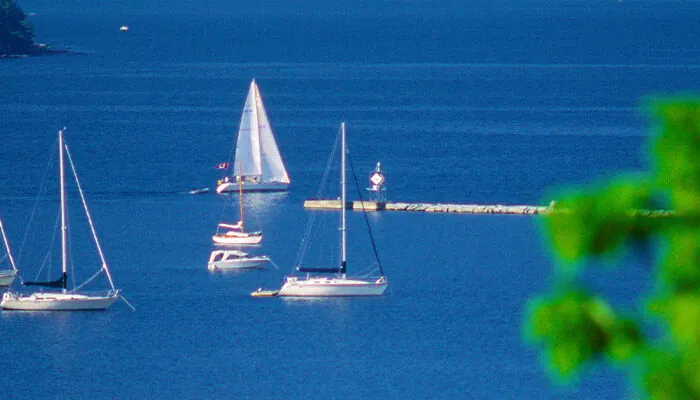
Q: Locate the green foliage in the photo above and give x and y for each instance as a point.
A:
(576, 327)
(597, 221)
(16, 35)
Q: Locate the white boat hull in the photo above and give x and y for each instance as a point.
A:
(248, 263)
(224, 239)
(7, 277)
(332, 287)
(232, 187)
(57, 301)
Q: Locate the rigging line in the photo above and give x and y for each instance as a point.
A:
(274, 265)
(47, 258)
(70, 261)
(309, 225)
(127, 303)
(42, 185)
(89, 218)
(367, 271)
(8, 256)
(364, 212)
(312, 218)
(224, 209)
(95, 275)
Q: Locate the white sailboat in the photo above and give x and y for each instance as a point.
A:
(235, 234)
(234, 259)
(258, 163)
(64, 299)
(334, 282)
(7, 275)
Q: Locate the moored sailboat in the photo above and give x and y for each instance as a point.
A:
(65, 299)
(258, 164)
(235, 234)
(334, 281)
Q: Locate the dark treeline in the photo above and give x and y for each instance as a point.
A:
(16, 35)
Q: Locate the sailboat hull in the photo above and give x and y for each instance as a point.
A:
(232, 187)
(57, 301)
(247, 263)
(226, 239)
(7, 277)
(332, 287)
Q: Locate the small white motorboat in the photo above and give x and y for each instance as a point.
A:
(235, 259)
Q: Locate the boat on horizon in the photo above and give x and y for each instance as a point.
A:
(64, 299)
(334, 281)
(258, 165)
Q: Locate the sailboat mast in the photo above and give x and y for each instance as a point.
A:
(240, 196)
(7, 247)
(258, 102)
(342, 199)
(64, 255)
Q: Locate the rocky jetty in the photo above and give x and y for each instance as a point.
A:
(427, 207)
(467, 208)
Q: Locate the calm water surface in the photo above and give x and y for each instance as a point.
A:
(461, 103)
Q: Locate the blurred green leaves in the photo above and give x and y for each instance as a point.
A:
(575, 326)
(596, 221)
(676, 151)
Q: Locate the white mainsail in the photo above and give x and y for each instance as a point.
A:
(248, 160)
(257, 153)
(257, 159)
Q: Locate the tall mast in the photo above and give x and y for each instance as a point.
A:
(64, 255)
(240, 195)
(7, 248)
(342, 199)
(258, 100)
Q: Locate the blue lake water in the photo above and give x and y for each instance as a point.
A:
(461, 102)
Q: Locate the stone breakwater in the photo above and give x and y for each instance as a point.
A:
(467, 208)
(427, 207)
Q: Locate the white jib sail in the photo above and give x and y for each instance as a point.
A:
(272, 165)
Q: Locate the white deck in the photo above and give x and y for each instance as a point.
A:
(7, 276)
(237, 238)
(332, 287)
(57, 301)
(232, 187)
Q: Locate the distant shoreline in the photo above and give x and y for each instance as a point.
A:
(38, 49)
